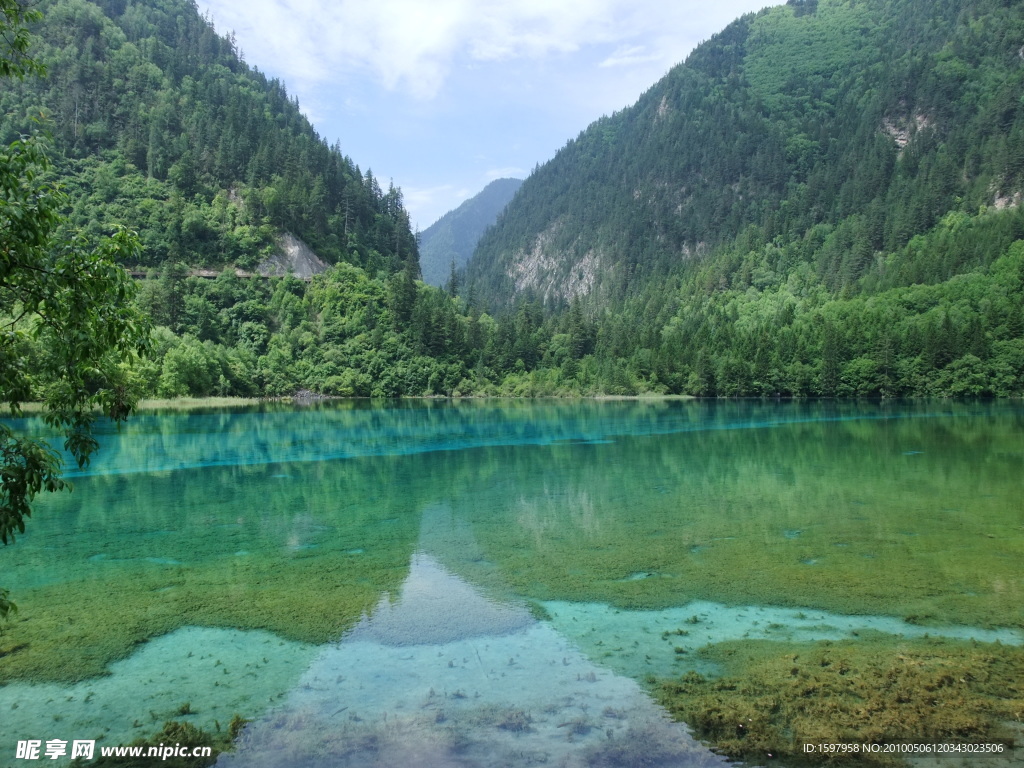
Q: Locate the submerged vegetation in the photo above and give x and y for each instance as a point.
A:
(731, 506)
(807, 506)
(147, 585)
(773, 698)
(177, 733)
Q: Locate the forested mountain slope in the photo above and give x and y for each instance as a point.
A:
(844, 126)
(824, 200)
(159, 125)
(454, 236)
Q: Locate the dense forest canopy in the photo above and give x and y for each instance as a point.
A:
(823, 200)
(159, 125)
(858, 123)
(799, 208)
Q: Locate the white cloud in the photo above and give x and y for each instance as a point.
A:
(414, 45)
(626, 55)
(445, 96)
(510, 172)
(424, 195)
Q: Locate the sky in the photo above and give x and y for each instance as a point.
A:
(443, 96)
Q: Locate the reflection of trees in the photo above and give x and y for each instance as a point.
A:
(723, 506)
(303, 555)
(844, 515)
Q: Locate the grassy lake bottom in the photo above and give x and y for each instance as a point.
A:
(495, 583)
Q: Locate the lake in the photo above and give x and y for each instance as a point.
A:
(516, 583)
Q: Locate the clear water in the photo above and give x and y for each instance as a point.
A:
(489, 583)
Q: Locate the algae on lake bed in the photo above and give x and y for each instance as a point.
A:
(301, 522)
(773, 698)
(117, 563)
(308, 601)
(847, 517)
(918, 516)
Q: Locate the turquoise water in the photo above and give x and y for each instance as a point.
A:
(489, 583)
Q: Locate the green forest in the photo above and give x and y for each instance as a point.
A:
(158, 125)
(823, 200)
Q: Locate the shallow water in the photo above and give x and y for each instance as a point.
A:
(491, 583)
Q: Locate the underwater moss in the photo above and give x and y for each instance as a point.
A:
(221, 546)
(774, 698)
(651, 745)
(310, 601)
(516, 721)
(835, 517)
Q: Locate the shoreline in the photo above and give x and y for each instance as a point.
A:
(147, 404)
(220, 402)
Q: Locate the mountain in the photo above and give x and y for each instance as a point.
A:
(823, 200)
(850, 126)
(454, 236)
(157, 123)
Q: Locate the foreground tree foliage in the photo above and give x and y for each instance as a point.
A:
(69, 327)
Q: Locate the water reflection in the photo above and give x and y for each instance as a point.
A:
(857, 508)
(444, 676)
(471, 519)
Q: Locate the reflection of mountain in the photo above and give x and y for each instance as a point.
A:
(442, 676)
(436, 607)
(852, 507)
(424, 544)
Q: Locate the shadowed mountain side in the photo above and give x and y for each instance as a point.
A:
(801, 142)
(158, 124)
(454, 236)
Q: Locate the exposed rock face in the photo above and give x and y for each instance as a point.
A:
(553, 274)
(293, 257)
(1002, 202)
(902, 129)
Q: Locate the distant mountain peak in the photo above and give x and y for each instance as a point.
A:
(454, 236)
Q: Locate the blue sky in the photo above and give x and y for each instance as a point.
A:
(443, 96)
